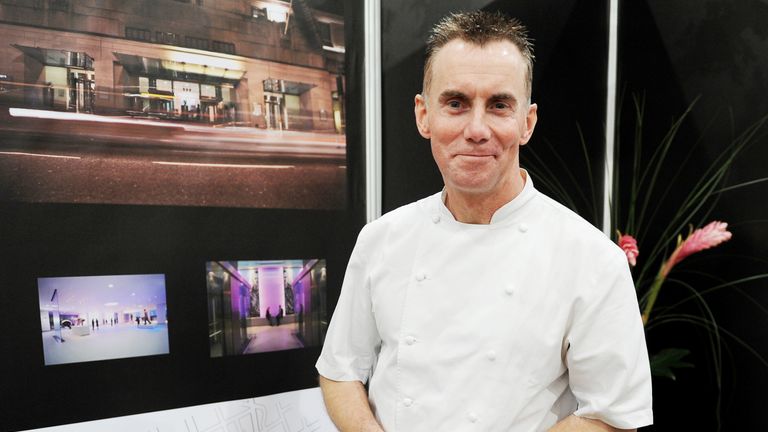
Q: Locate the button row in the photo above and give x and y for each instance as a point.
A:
(490, 355)
(421, 277)
(471, 416)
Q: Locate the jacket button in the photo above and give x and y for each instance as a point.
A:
(491, 355)
(472, 417)
(509, 290)
(522, 228)
(421, 276)
(407, 402)
(436, 219)
(410, 340)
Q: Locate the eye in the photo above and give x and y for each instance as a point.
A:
(454, 104)
(500, 106)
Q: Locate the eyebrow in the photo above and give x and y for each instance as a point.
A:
(455, 94)
(451, 94)
(504, 97)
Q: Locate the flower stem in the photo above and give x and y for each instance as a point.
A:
(653, 292)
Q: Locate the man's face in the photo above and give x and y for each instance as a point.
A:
(476, 114)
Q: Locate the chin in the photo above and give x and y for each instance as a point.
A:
(473, 188)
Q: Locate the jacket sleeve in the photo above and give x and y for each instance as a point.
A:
(352, 342)
(607, 358)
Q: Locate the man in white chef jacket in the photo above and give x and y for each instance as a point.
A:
(487, 306)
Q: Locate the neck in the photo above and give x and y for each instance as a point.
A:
(479, 208)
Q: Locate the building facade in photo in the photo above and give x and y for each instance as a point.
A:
(267, 64)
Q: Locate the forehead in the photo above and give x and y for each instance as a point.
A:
(459, 63)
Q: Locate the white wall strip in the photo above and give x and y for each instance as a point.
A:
(610, 113)
(372, 83)
(304, 408)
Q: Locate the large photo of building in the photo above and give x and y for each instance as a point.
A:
(173, 102)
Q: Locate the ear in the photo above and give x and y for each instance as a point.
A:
(422, 117)
(530, 123)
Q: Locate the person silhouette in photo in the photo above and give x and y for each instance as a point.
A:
(138, 321)
(48, 95)
(301, 314)
(269, 317)
(93, 325)
(147, 321)
(280, 314)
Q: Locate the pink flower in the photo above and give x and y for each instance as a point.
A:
(629, 245)
(711, 235)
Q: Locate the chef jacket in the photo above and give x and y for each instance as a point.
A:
(510, 326)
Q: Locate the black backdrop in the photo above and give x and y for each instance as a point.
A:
(671, 52)
(714, 50)
(74, 240)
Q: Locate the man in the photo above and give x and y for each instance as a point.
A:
(488, 306)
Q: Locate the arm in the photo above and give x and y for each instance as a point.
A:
(347, 404)
(574, 423)
(607, 359)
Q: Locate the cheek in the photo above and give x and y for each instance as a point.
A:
(445, 131)
(441, 155)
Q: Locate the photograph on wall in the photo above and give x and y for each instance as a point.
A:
(261, 306)
(89, 318)
(228, 104)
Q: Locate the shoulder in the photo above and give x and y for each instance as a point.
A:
(575, 235)
(399, 219)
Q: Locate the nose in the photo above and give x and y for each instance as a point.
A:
(477, 129)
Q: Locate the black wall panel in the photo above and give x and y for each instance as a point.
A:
(714, 53)
(75, 240)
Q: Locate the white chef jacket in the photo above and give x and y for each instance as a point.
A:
(510, 326)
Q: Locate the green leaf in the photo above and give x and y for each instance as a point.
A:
(663, 362)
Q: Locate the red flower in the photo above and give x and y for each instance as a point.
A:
(711, 235)
(629, 245)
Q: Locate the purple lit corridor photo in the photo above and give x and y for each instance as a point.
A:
(261, 306)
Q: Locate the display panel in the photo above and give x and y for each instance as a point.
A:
(281, 212)
(296, 411)
(219, 109)
(261, 306)
(89, 318)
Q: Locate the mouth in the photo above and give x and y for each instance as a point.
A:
(475, 156)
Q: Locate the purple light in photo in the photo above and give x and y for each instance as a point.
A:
(271, 289)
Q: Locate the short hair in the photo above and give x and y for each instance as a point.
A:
(479, 28)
